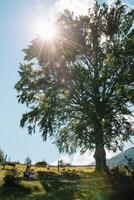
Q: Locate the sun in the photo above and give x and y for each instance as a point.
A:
(45, 30)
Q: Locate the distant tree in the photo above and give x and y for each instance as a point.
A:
(80, 90)
(61, 162)
(43, 163)
(2, 156)
(28, 160)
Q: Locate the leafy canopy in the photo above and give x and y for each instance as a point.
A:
(82, 78)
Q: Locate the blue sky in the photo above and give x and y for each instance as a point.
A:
(15, 34)
(17, 19)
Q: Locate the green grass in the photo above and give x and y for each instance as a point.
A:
(78, 185)
(53, 188)
(56, 187)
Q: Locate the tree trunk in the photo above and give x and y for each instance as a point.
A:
(100, 154)
(100, 158)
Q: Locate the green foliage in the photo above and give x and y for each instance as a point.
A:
(28, 160)
(61, 163)
(10, 178)
(80, 89)
(130, 165)
(43, 163)
(2, 156)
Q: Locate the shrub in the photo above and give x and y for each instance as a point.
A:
(41, 163)
(10, 178)
(130, 165)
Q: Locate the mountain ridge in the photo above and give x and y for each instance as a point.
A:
(119, 159)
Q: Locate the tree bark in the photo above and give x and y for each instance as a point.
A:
(100, 158)
(100, 154)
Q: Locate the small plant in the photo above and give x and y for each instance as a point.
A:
(10, 178)
(130, 165)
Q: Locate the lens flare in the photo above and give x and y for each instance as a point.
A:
(45, 30)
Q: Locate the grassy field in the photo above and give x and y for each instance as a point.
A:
(78, 183)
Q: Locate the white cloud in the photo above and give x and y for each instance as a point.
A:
(87, 158)
(83, 159)
(65, 159)
(79, 7)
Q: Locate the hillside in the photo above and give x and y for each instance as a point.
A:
(120, 158)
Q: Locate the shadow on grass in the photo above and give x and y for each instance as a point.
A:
(71, 186)
(58, 187)
(13, 192)
(54, 187)
(123, 187)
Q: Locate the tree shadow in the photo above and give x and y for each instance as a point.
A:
(123, 187)
(71, 186)
(14, 192)
(58, 187)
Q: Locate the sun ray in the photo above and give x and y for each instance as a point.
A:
(45, 30)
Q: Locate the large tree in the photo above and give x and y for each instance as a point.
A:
(79, 86)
